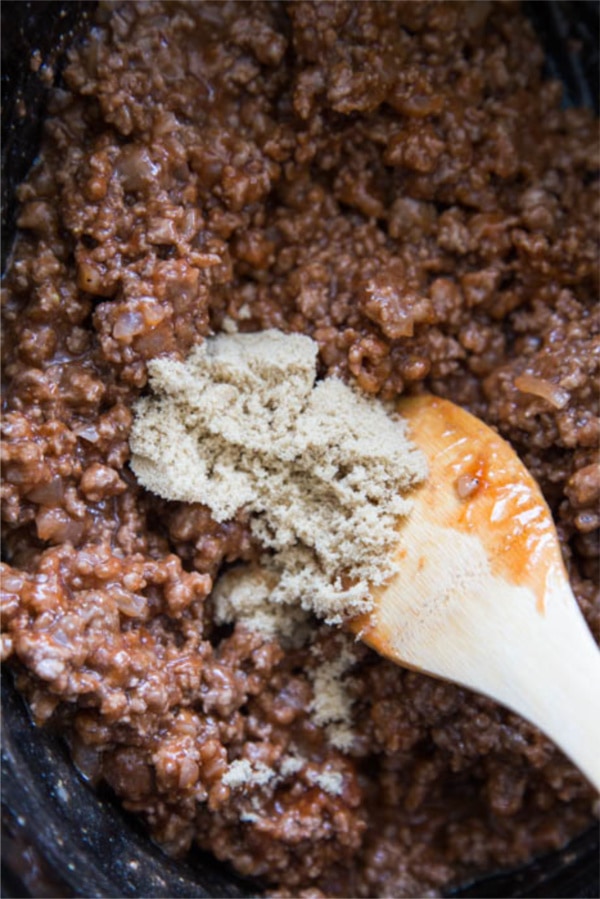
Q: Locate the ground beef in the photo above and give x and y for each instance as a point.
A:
(397, 181)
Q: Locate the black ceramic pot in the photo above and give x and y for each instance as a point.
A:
(59, 837)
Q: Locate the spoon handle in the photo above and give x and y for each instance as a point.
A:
(547, 669)
(561, 694)
(540, 662)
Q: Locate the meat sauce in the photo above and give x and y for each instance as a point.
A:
(397, 181)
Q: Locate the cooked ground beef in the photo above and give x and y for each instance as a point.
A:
(396, 180)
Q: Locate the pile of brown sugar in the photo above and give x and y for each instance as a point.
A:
(321, 470)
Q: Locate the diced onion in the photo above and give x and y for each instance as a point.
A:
(546, 390)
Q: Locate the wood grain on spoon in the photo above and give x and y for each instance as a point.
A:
(482, 596)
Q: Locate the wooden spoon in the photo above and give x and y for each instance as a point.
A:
(482, 596)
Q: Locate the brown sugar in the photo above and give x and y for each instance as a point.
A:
(323, 471)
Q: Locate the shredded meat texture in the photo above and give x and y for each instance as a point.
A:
(396, 181)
